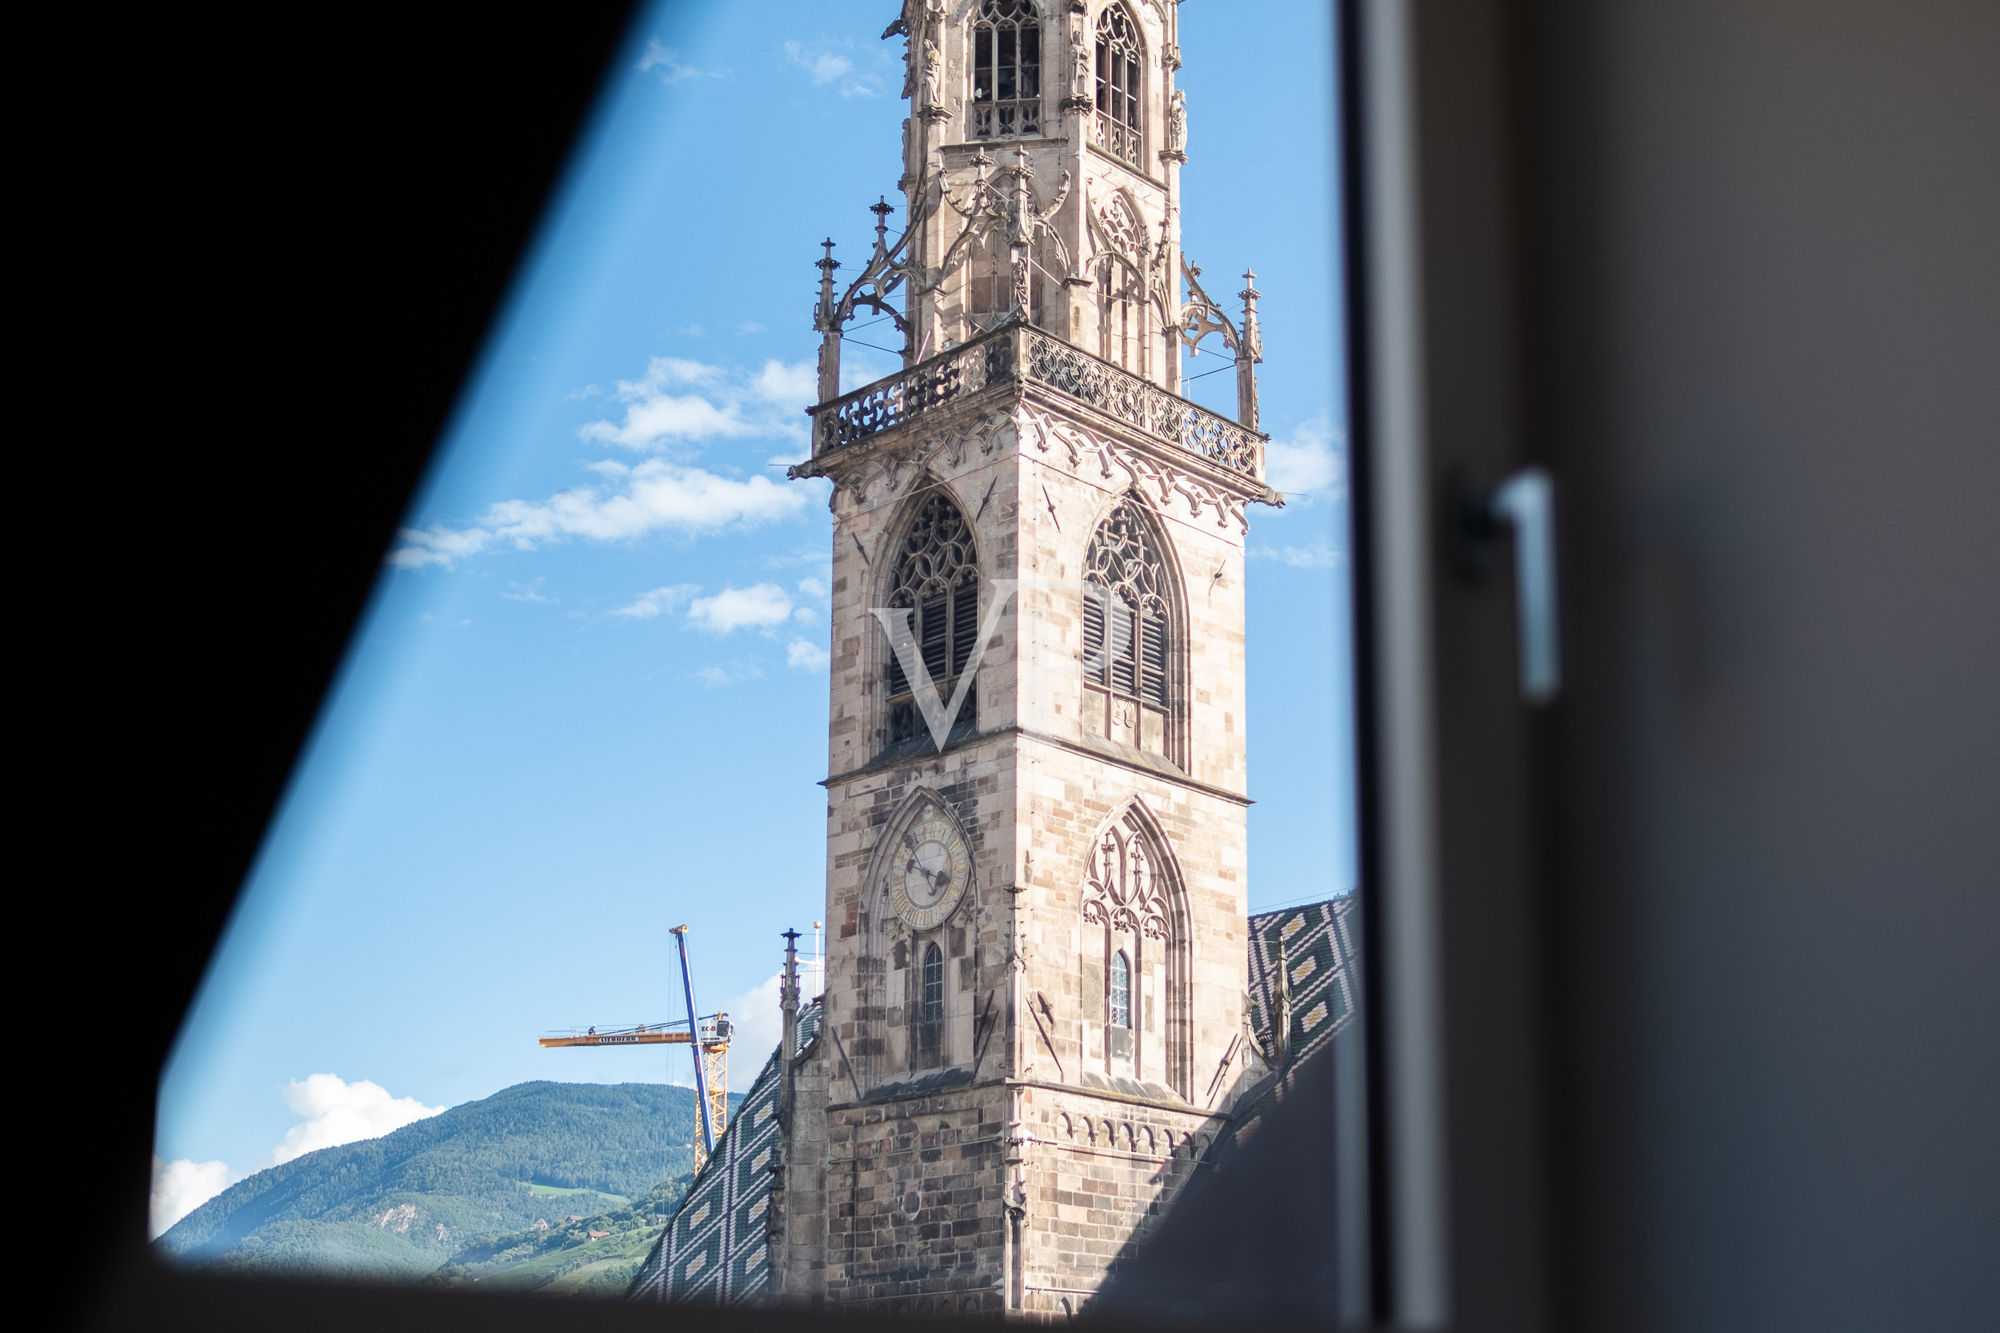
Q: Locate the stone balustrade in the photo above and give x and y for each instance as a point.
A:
(1018, 351)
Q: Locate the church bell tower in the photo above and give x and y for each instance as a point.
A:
(1033, 1023)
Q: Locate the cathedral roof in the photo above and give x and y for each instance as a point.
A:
(1320, 944)
(715, 1251)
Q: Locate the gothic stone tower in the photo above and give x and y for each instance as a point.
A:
(1033, 1021)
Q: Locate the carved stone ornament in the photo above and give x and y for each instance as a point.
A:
(886, 472)
(1122, 889)
(1139, 472)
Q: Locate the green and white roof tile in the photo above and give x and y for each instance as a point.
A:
(716, 1249)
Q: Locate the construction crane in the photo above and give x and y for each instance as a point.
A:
(708, 1036)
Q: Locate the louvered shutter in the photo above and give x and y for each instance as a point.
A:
(1093, 634)
(1153, 658)
(933, 638)
(964, 624)
(898, 682)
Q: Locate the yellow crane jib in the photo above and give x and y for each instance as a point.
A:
(709, 1035)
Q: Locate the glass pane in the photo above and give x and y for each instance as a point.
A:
(623, 671)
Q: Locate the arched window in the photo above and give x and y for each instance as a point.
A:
(1006, 70)
(932, 1010)
(936, 578)
(1135, 955)
(1121, 991)
(1129, 615)
(927, 1025)
(1120, 91)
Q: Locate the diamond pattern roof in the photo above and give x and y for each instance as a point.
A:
(715, 1250)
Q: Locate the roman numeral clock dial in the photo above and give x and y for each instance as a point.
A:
(929, 871)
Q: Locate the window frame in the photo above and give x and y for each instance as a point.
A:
(1171, 702)
(984, 35)
(1121, 84)
(901, 729)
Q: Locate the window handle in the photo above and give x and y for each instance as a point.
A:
(1525, 502)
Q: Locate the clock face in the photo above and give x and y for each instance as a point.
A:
(928, 869)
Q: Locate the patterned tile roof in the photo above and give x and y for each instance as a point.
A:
(1319, 943)
(714, 1251)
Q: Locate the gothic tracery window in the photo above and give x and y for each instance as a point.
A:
(1129, 615)
(1120, 91)
(1135, 956)
(1006, 70)
(936, 578)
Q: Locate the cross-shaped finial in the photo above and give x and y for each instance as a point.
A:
(829, 263)
(881, 208)
(791, 937)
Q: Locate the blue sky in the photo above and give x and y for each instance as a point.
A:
(588, 699)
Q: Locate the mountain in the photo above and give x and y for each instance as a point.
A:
(598, 1256)
(473, 1187)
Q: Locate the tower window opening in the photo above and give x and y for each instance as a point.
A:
(1119, 89)
(1128, 627)
(927, 1032)
(933, 1000)
(936, 580)
(1006, 70)
(1121, 991)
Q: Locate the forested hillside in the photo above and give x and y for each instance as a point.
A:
(484, 1178)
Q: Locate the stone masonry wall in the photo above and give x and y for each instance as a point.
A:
(915, 1215)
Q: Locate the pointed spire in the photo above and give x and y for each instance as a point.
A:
(823, 313)
(1253, 343)
(881, 208)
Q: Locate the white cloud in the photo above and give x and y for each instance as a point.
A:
(803, 656)
(334, 1111)
(180, 1187)
(578, 395)
(729, 673)
(1321, 556)
(659, 601)
(677, 404)
(828, 68)
(651, 496)
(758, 606)
(530, 591)
(794, 387)
(759, 1023)
(812, 587)
(822, 67)
(749, 326)
(671, 69)
(1312, 462)
(716, 402)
